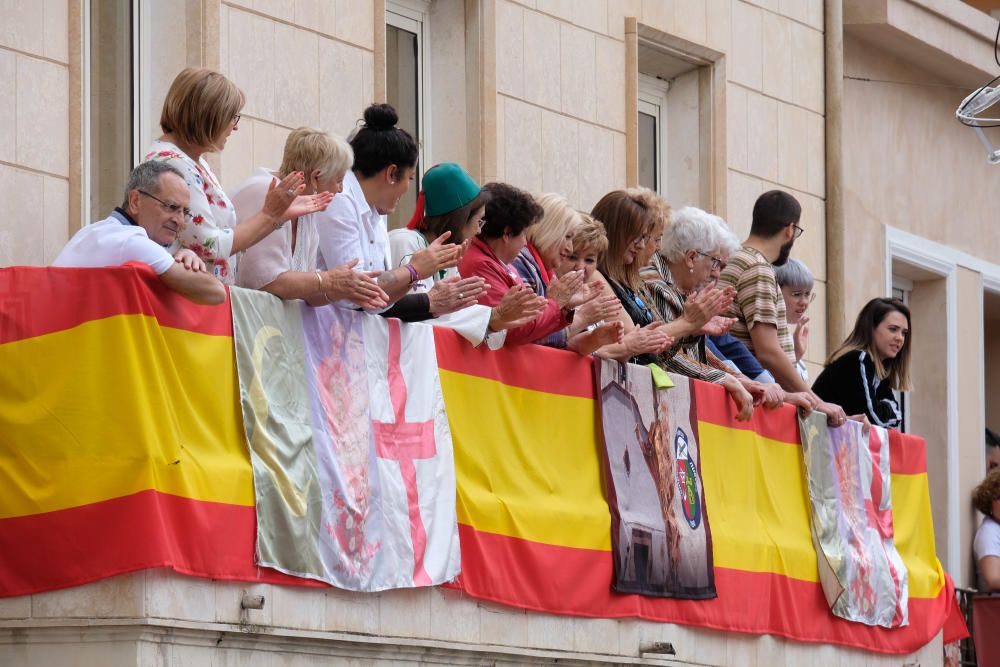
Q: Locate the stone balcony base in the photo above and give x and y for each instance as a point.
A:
(157, 618)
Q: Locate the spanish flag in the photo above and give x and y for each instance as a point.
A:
(121, 444)
(536, 530)
(122, 448)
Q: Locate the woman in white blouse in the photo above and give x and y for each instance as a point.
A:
(201, 109)
(284, 262)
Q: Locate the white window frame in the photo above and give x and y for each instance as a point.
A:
(141, 66)
(140, 91)
(904, 286)
(653, 102)
(939, 260)
(413, 16)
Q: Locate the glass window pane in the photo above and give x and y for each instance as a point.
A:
(647, 151)
(110, 104)
(403, 92)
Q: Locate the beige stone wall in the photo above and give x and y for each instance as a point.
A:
(775, 137)
(34, 137)
(299, 63)
(561, 105)
(910, 165)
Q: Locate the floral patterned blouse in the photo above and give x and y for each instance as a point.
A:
(209, 234)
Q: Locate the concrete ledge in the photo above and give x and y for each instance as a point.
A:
(945, 37)
(154, 642)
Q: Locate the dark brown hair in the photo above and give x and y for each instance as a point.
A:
(379, 143)
(510, 210)
(772, 212)
(896, 370)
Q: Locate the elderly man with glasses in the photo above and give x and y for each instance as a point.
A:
(153, 213)
(759, 308)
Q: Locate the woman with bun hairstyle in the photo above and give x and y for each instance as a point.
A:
(861, 374)
(201, 109)
(354, 226)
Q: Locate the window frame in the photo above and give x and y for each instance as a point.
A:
(139, 84)
(903, 286)
(413, 16)
(653, 102)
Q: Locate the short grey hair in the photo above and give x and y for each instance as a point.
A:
(690, 228)
(726, 241)
(146, 177)
(795, 275)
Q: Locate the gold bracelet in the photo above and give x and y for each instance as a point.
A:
(319, 279)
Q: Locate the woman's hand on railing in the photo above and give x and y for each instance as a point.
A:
(740, 396)
(770, 395)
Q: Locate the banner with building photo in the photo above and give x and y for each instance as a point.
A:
(661, 541)
(863, 576)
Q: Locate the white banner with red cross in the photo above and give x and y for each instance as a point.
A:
(350, 445)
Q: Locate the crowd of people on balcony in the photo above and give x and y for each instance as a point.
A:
(631, 280)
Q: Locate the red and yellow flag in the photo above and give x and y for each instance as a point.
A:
(121, 446)
(535, 526)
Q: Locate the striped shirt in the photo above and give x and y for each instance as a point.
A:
(688, 356)
(758, 299)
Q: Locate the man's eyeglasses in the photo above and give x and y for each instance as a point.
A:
(173, 208)
(798, 230)
(717, 263)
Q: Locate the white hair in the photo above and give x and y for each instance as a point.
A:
(726, 241)
(690, 228)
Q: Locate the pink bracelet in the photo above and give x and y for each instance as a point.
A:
(414, 276)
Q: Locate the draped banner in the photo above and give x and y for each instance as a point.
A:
(349, 442)
(120, 439)
(122, 448)
(661, 541)
(536, 532)
(848, 476)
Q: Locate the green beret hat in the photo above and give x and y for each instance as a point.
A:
(447, 187)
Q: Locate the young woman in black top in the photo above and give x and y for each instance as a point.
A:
(861, 374)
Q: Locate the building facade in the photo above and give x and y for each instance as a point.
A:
(848, 104)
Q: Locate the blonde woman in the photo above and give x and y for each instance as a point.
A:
(201, 109)
(284, 262)
(549, 244)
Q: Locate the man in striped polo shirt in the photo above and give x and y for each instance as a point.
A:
(759, 308)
